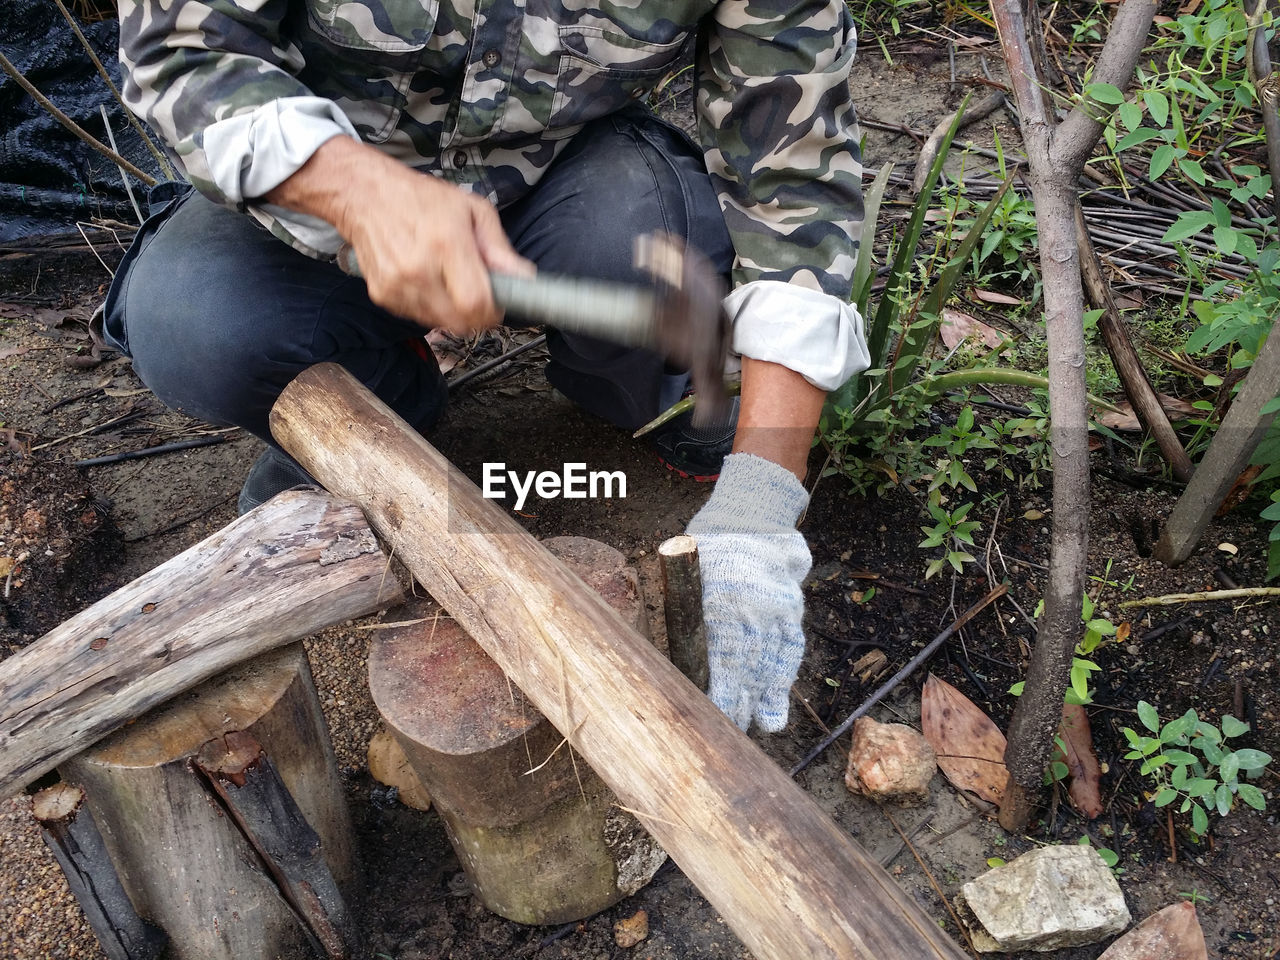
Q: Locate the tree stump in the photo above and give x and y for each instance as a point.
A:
(539, 834)
(181, 857)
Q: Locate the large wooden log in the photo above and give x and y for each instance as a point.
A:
(540, 836)
(212, 881)
(301, 562)
(787, 880)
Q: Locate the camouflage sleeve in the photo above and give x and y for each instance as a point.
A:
(216, 79)
(781, 139)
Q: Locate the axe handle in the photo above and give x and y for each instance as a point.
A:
(618, 312)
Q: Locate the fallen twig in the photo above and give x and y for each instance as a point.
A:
(964, 931)
(901, 675)
(1169, 599)
(930, 149)
(457, 382)
(151, 451)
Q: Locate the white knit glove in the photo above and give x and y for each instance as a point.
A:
(754, 562)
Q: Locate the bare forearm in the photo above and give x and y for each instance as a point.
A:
(780, 410)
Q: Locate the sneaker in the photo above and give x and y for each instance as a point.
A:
(696, 453)
(272, 473)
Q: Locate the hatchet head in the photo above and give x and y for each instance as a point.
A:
(690, 323)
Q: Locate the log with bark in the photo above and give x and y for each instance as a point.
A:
(540, 836)
(299, 563)
(199, 873)
(682, 606)
(786, 879)
(70, 832)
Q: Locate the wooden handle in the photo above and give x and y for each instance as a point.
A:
(789, 882)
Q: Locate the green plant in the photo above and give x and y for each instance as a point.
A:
(1188, 759)
(953, 533)
(1096, 632)
(1109, 857)
(956, 441)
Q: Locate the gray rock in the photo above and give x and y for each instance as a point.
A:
(1048, 899)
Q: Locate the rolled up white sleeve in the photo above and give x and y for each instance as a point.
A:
(253, 153)
(819, 336)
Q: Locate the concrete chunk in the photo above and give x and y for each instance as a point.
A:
(1048, 899)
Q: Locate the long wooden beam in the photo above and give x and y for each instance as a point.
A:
(299, 563)
(788, 881)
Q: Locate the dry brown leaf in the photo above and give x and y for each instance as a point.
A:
(991, 296)
(1128, 420)
(957, 327)
(8, 352)
(1239, 491)
(970, 747)
(1082, 763)
(1171, 934)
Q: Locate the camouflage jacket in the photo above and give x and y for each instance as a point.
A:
(485, 92)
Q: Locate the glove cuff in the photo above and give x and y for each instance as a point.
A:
(753, 495)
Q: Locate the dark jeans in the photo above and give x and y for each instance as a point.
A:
(219, 316)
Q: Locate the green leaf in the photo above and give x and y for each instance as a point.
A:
(1165, 797)
(1179, 777)
(994, 862)
(1252, 796)
(1130, 115)
(1271, 406)
(1175, 731)
(1222, 799)
(1180, 758)
(1147, 714)
(1158, 105)
(1188, 225)
(1201, 787)
(1193, 171)
(1153, 763)
(1226, 238)
(1017, 688)
(1161, 159)
(1141, 135)
(1109, 857)
(1104, 93)
(1251, 761)
(1229, 768)
(1199, 820)
(1231, 727)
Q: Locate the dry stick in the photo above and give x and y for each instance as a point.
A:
(1169, 599)
(1236, 439)
(930, 149)
(1125, 358)
(161, 159)
(150, 451)
(124, 177)
(457, 382)
(964, 931)
(70, 124)
(1267, 84)
(901, 675)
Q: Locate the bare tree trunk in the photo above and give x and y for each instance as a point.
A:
(1056, 155)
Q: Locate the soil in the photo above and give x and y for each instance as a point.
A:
(87, 530)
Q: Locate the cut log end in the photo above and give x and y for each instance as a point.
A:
(230, 757)
(57, 804)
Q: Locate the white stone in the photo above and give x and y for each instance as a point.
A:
(1048, 899)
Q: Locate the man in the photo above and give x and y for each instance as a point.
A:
(444, 139)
